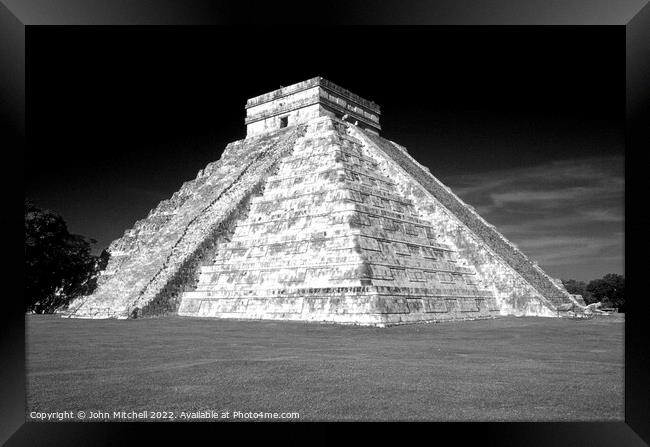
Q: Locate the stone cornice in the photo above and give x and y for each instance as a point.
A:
(311, 83)
(309, 102)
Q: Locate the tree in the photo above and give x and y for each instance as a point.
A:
(101, 262)
(610, 290)
(578, 288)
(59, 266)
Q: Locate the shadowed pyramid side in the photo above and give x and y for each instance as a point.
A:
(521, 286)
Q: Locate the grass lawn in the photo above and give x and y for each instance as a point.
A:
(508, 369)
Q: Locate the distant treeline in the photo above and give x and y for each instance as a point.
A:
(609, 290)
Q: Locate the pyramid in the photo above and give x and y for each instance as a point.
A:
(316, 217)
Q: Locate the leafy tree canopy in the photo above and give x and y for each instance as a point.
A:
(577, 288)
(59, 266)
(609, 290)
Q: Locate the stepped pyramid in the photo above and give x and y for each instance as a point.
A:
(315, 217)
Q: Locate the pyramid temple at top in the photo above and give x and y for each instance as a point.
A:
(316, 217)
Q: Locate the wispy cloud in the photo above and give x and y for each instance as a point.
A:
(564, 214)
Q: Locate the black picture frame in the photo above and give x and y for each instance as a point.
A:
(16, 16)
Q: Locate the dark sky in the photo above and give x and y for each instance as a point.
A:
(525, 124)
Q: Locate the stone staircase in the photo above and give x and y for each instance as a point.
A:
(147, 259)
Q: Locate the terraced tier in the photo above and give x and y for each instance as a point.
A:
(157, 259)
